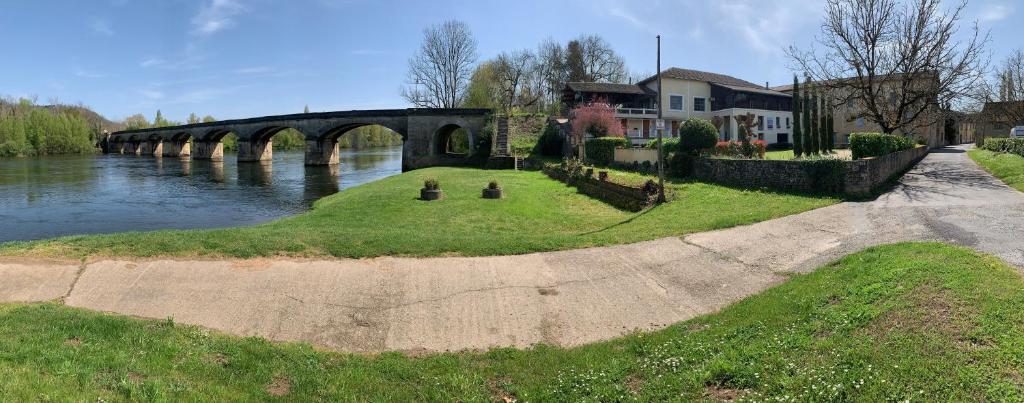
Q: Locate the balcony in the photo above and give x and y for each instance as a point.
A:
(636, 113)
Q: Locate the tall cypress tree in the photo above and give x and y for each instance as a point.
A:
(832, 131)
(807, 119)
(798, 148)
(823, 126)
(815, 134)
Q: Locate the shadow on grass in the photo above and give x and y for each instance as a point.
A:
(623, 222)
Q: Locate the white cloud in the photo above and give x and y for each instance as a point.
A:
(101, 27)
(216, 16)
(994, 12)
(152, 94)
(152, 62)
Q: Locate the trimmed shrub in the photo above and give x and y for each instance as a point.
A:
(697, 135)
(431, 184)
(601, 151)
(1004, 145)
(669, 145)
(781, 146)
(828, 174)
(865, 145)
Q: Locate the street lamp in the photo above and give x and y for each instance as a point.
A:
(660, 124)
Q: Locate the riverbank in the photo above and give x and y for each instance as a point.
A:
(897, 322)
(387, 218)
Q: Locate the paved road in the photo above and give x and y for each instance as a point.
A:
(565, 298)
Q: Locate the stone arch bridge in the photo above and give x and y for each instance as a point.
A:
(425, 134)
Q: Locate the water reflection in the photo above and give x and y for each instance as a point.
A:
(52, 196)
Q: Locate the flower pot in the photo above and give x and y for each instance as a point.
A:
(492, 193)
(427, 194)
(602, 175)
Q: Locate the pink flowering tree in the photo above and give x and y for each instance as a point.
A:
(596, 119)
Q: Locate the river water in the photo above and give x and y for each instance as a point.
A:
(44, 197)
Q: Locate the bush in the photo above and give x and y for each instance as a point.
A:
(865, 145)
(493, 185)
(669, 145)
(550, 142)
(596, 119)
(601, 151)
(737, 149)
(696, 135)
(431, 184)
(1004, 145)
(779, 146)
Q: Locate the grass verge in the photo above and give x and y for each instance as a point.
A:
(386, 218)
(914, 321)
(1007, 167)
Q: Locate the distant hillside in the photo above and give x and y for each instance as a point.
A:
(91, 116)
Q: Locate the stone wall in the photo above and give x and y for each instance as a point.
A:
(865, 175)
(621, 196)
(857, 178)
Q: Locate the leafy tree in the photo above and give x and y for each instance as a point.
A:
(208, 119)
(193, 118)
(798, 149)
(306, 109)
(823, 127)
(136, 121)
(482, 88)
(831, 131)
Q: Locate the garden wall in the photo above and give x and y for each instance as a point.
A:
(854, 178)
(621, 196)
(639, 155)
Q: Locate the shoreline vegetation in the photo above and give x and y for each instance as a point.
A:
(386, 218)
(27, 129)
(891, 323)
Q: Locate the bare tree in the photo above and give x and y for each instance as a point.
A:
(551, 70)
(514, 74)
(439, 72)
(600, 62)
(899, 59)
(1008, 95)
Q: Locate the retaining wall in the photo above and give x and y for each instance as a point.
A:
(855, 178)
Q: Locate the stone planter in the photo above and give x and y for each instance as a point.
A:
(426, 194)
(492, 193)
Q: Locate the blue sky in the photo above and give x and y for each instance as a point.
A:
(244, 58)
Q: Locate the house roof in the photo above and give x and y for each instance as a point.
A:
(756, 90)
(697, 75)
(608, 88)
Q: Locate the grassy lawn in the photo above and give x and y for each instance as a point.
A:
(386, 218)
(779, 155)
(926, 322)
(1007, 167)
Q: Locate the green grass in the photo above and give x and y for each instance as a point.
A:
(1007, 167)
(923, 322)
(386, 218)
(779, 155)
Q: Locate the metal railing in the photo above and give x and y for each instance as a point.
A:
(636, 111)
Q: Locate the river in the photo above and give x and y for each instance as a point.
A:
(45, 197)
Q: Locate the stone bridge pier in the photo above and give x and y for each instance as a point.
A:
(425, 134)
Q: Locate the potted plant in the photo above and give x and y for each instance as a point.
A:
(431, 190)
(602, 176)
(492, 191)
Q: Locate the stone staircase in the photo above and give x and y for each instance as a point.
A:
(501, 156)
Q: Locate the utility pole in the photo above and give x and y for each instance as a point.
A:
(660, 126)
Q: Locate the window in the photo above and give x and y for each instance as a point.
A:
(760, 123)
(788, 124)
(675, 102)
(860, 122)
(699, 104)
(770, 124)
(782, 138)
(777, 122)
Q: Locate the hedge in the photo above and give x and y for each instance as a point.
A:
(669, 145)
(601, 151)
(865, 145)
(1004, 145)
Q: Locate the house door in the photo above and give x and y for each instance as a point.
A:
(647, 128)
